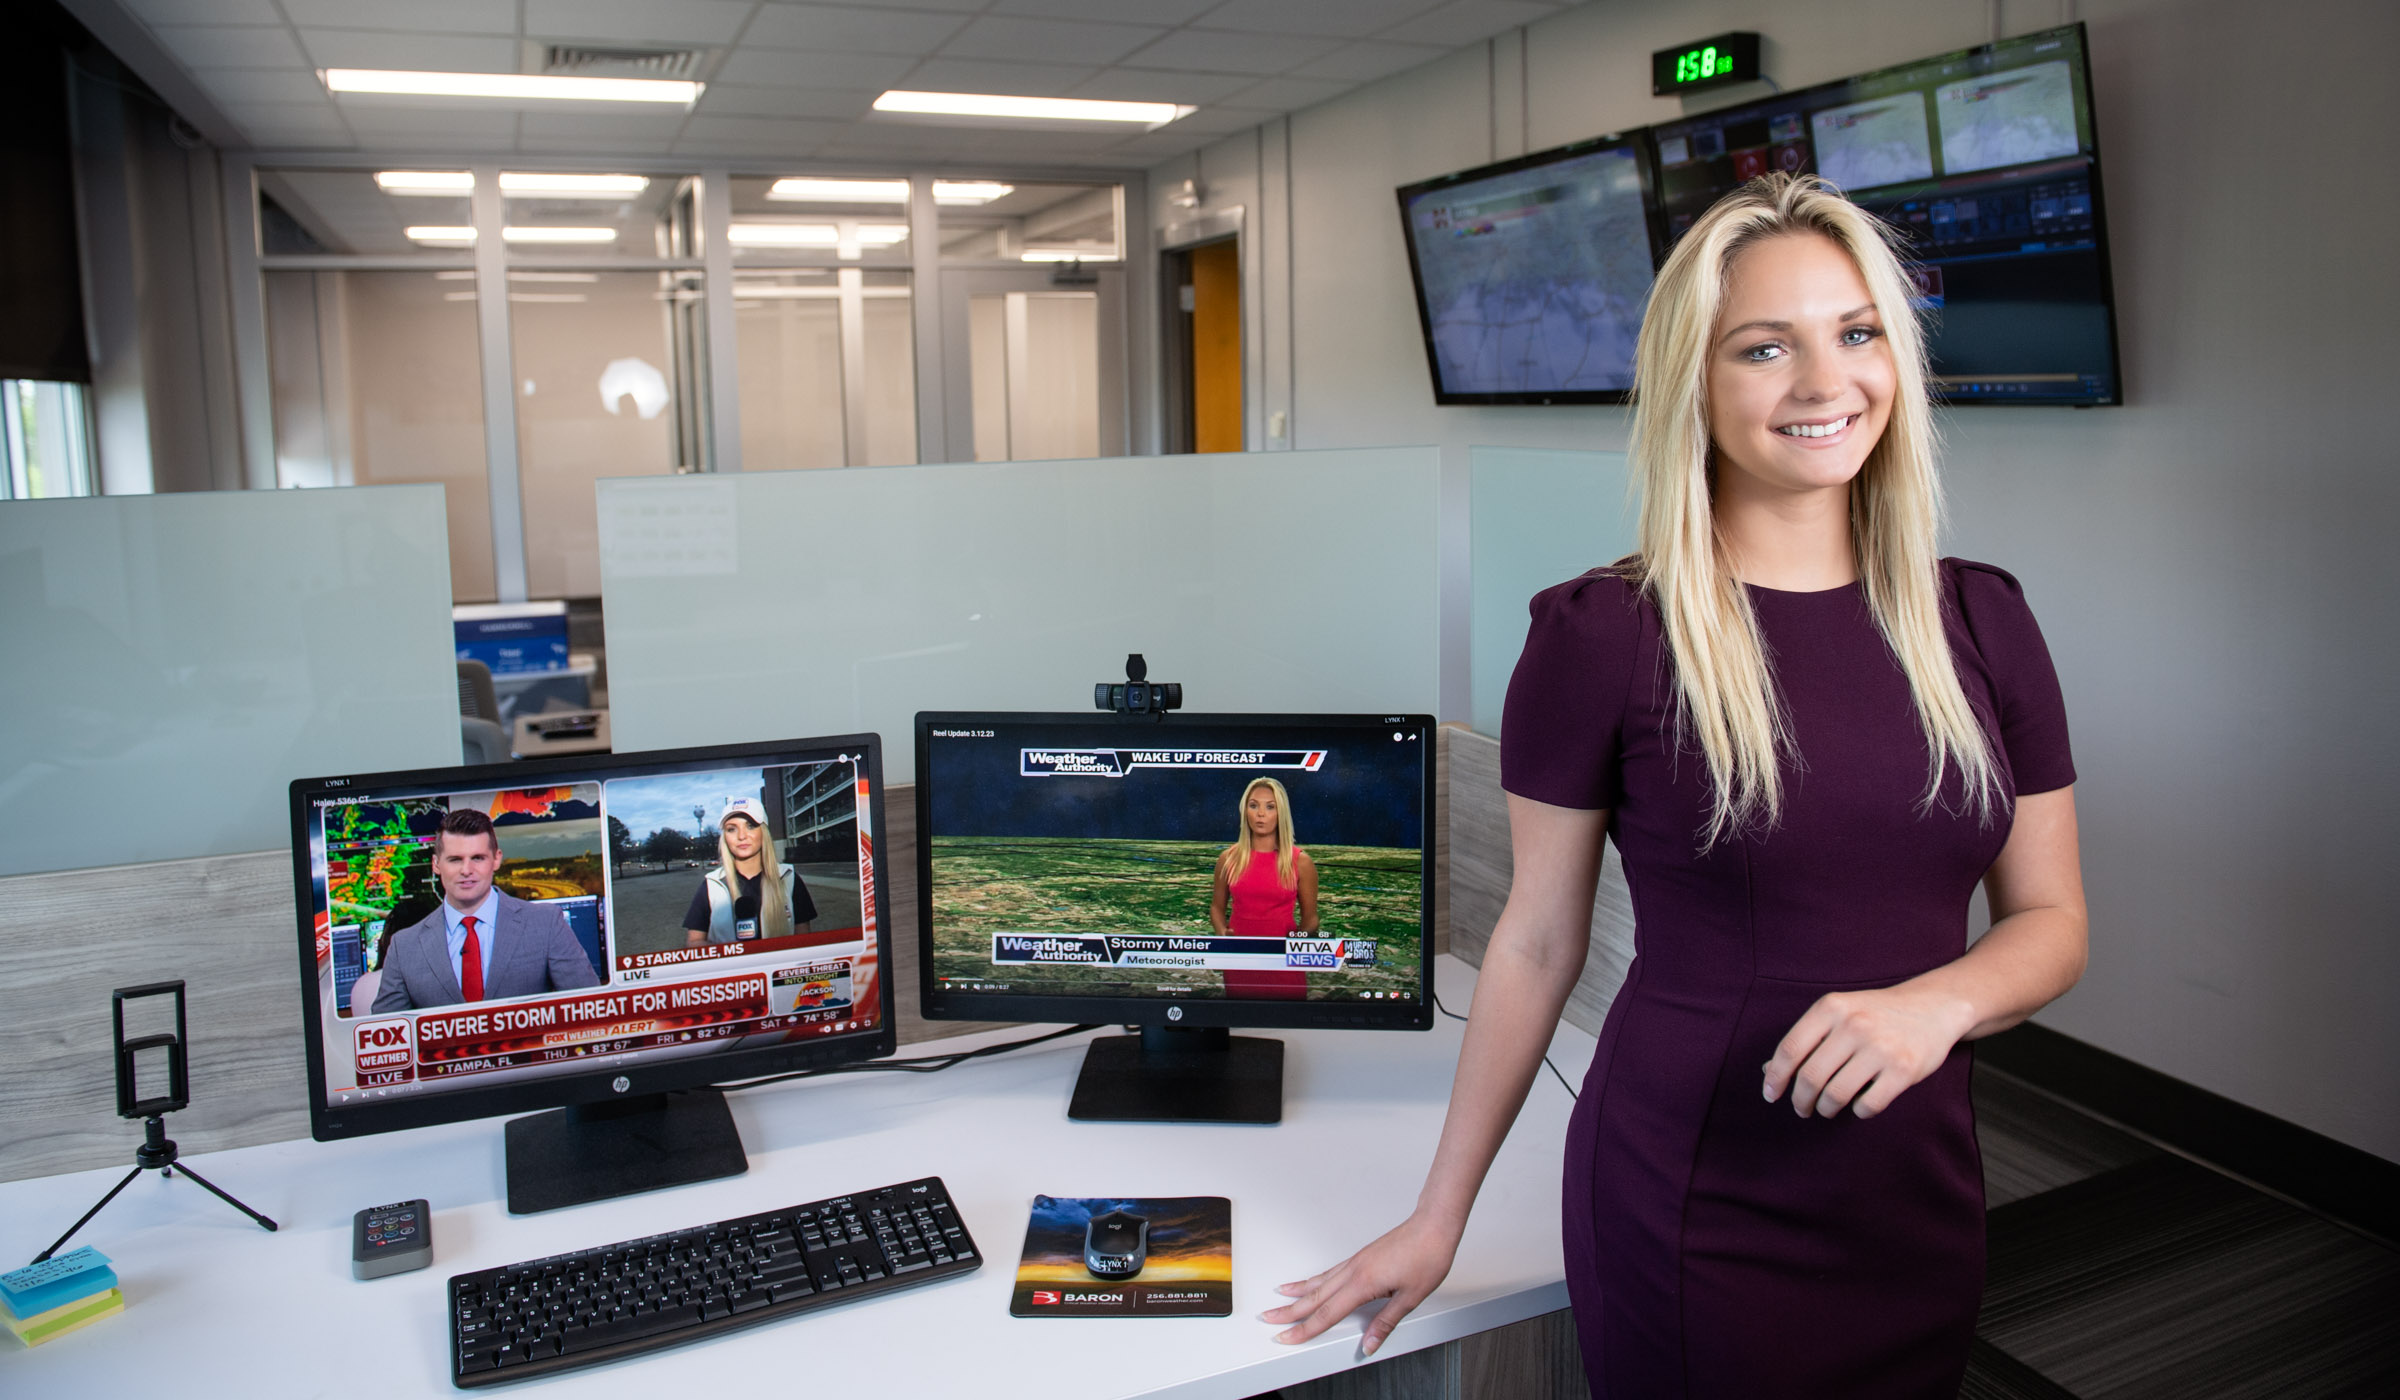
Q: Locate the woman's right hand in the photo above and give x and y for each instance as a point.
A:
(1404, 1266)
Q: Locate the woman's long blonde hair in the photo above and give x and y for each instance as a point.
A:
(1237, 855)
(1724, 679)
(774, 911)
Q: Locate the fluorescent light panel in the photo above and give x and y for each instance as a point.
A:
(511, 86)
(811, 235)
(800, 190)
(1059, 109)
(516, 182)
(514, 233)
(970, 191)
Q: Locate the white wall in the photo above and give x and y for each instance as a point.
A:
(2211, 562)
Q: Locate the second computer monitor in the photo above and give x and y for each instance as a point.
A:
(1191, 871)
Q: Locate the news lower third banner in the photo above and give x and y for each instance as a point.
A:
(1116, 763)
(1143, 950)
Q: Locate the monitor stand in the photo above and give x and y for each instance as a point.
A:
(593, 1151)
(1166, 1075)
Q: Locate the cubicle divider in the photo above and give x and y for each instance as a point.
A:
(770, 604)
(1537, 517)
(173, 662)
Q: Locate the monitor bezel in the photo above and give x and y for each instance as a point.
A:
(328, 1123)
(1643, 157)
(1210, 1012)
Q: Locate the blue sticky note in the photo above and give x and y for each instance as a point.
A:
(37, 1288)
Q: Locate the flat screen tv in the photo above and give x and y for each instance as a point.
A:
(1988, 160)
(1531, 274)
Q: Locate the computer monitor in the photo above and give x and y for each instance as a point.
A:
(1988, 160)
(1531, 274)
(1093, 868)
(623, 967)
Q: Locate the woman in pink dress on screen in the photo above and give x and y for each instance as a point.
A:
(1266, 888)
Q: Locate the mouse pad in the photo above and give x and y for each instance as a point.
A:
(1186, 1268)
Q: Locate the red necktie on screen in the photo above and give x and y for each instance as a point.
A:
(470, 962)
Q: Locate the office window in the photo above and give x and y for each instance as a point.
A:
(610, 373)
(377, 380)
(1023, 222)
(47, 427)
(785, 219)
(401, 212)
(1035, 360)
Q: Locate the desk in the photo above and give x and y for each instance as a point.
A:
(216, 1306)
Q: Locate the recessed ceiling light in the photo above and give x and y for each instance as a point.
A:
(536, 233)
(1101, 252)
(798, 190)
(1058, 109)
(538, 86)
(439, 233)
(524, 182)
(784, 235)
(882, 235)
(426, 182)
(970, 191)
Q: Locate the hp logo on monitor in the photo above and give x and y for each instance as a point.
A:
(1174, 1013)
(620, 1084)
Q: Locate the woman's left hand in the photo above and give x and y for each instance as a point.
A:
(1862, 1049)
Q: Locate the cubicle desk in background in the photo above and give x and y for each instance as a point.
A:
(212, 1300)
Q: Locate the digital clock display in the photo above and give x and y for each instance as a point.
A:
(1728, 58)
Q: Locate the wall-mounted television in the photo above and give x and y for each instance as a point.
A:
(1986, 158)
(1532, 274)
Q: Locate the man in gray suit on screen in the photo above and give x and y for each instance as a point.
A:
(481, 944)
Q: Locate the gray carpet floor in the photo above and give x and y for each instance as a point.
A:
(2122, 1272)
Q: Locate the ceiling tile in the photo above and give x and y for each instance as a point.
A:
(1342, 19)
(262, 85)
(1220, 121)
(633, 126)
(849, 29)
(1048, 40)
(1289, 94)
(1150, 85)
(949, 6)
(433, 53)
(1123, 11)
(732, 100)
(1197, 50)
(637, 21)
(196, 47)
(1465, 21)
(798, 68)
(1159, 145)
(206, 11)
(430, 121)
(755, 130)
(985, 75)
(418, 16)
(1360, 63)
(286, 119)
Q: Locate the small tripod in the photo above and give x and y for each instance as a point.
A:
(157, 1152)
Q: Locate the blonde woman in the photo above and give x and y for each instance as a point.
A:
(1266, 887)
(750, 894)
(1810, 740)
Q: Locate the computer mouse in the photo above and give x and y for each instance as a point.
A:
(1116, 1244)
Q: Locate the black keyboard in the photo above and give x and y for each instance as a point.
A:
(620, 1300)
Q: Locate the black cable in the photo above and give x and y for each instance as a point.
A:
(928, 1064)
(1562, 1079)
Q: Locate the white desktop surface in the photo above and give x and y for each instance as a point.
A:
(217, 1306)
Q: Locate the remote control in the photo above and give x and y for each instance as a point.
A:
(391, 1239)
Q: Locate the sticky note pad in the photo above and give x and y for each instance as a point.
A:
(40, 1288)
(82, 1312)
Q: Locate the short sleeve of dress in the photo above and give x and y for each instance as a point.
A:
(2032, 711)
(1562, 728)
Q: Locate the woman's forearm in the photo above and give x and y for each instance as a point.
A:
(2025, 962)
(1519, 992)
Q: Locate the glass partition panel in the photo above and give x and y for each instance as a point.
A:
(377, 381)
(384, 213)
(983, 220)
(608, 373)
(1538, 517)
(175, 661)
(1035, 362)
(805, 334)
(781, 603)
(782, 219)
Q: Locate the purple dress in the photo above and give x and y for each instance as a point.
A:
(1717, 1244)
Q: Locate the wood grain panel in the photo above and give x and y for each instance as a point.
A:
(1216, 348)
(1480, 866)
(1430, 1374)
(1537, 1359)
(225, 925)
